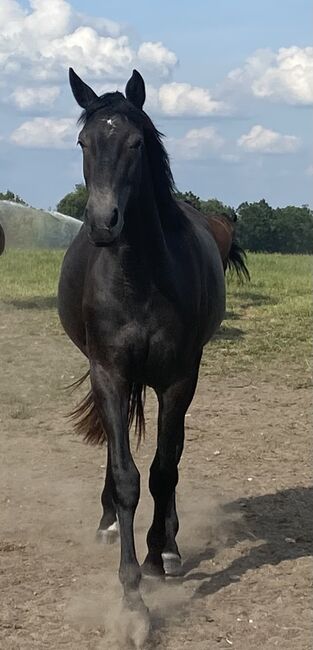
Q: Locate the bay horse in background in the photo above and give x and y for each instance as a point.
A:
(223, 228)
(141, 291)
(2, 240)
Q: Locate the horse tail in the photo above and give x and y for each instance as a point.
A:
(87, 421)
(236, 261)
(136, 411)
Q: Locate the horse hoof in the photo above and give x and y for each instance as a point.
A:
(172, 565)
(152, 572)
(108, 535)
(136, 620)
(139, 629)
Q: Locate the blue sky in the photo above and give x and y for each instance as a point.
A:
(230, 84)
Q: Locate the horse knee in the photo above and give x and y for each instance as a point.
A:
(130, 576)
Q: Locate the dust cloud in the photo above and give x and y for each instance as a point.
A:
(205, 526)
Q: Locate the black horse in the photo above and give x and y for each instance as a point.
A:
(141, 292)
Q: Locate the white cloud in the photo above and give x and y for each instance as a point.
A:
(38, 45)
(285, 75)
(157, 57)
(91, 54)
(25, 97)
(196, 144)
(182, 99)
(46, 133)
(262, 140)
(103, 26)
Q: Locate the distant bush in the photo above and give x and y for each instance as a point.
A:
(10, 196)
(74, 203)
(281, 230)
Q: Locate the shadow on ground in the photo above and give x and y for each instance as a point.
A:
(228, 333)
(254, 299)
(34, 302)
(232, 315)
(283, 521)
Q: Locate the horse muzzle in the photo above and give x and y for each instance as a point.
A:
(104, 235)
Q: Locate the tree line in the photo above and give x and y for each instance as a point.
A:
(260, 228)
(10, 196)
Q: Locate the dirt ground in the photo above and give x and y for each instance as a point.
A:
(245, 500)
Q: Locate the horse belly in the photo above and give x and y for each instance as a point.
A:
(70, 294)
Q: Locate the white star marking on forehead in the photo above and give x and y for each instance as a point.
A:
(111, 124)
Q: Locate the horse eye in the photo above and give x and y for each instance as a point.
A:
(136, 144)
(81, 144)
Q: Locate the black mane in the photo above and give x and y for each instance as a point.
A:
(115, 103)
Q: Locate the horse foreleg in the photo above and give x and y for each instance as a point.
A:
(163, 555)
(111, 398)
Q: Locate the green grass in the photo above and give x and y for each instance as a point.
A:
(29, 274)
(268, 319)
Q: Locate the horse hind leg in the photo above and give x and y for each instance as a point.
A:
(108, 530)
(172, 562)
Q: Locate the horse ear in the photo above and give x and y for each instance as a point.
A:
(83, 94)
(135, 90)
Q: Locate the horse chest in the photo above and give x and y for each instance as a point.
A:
(146, 338)
(156, 350)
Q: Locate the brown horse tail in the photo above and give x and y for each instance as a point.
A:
(88, 423)
(236, 261)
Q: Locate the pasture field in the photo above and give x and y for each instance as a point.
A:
(268, 318)
(245, 492)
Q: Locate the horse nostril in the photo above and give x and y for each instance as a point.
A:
(114, 218)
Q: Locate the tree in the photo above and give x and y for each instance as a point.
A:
(282, 230)
(10, 196)
(74, 203)
(214, 206)
(293, 229)
(255, 226)
(211, 206)
(189, 197)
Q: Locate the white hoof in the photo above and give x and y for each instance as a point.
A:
(172, 564)
(108, 535)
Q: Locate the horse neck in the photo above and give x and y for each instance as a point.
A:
(147, 241)
(145, 229)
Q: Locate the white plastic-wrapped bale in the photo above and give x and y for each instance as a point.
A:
(26, 227)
